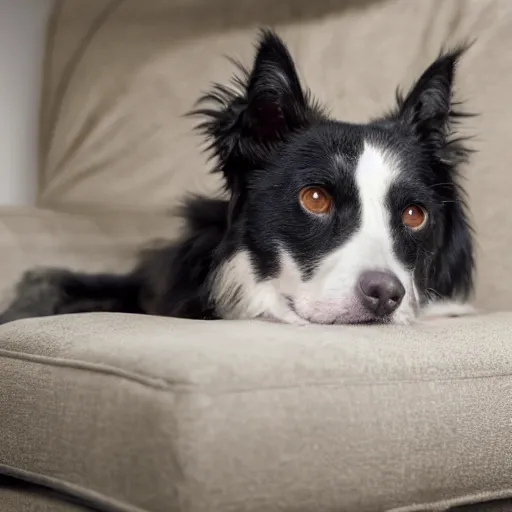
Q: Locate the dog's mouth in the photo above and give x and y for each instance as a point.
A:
(356, 319)
(371, 321)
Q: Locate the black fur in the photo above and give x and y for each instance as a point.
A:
(269, 139)
(447, 271)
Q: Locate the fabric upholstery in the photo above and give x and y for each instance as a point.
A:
(175, 415)
(120, 74)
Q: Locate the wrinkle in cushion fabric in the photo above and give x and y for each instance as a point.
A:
(166, 414)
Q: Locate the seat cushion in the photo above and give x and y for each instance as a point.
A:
(130, 413)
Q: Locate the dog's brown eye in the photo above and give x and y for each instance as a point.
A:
(414, 217)
(315, 200)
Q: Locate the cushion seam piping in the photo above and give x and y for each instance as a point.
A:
(188, 387)
(64, 487)
(446, 504)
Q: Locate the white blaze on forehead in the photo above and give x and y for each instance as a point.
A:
(371, 245)
(375, 173)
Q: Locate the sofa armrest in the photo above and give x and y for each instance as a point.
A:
(106, 241)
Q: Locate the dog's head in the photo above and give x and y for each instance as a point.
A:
(332, 222)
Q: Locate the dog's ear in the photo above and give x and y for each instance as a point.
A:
(276, 103)
(429, 107)
(247, 122)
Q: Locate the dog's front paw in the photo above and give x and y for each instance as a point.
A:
(445, 309)
(287, 317)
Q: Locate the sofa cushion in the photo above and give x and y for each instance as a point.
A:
(157, 414)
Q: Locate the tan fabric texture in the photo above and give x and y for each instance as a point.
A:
(120, 74)
(162, 415)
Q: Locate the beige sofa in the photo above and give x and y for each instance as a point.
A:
(127, 413)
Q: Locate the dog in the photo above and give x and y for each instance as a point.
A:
(325, 222)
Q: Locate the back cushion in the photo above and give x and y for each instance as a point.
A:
(120, 75)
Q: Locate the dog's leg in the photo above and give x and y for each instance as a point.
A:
(45, 292)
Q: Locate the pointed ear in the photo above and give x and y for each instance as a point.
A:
(428, 107)
(276, 103)
(245, 123)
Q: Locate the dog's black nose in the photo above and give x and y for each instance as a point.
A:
(381, 292)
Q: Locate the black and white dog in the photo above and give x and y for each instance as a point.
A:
(327, 222)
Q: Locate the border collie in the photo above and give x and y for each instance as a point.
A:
(326, 222)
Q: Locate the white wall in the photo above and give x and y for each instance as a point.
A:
(22, 38)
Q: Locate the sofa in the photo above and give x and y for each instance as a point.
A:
(128, 413)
